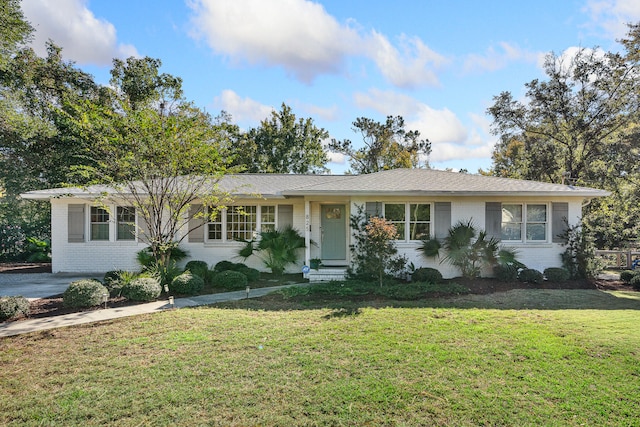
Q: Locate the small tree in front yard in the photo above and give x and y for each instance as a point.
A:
(375, 252)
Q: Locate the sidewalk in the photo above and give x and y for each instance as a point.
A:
(8, 329)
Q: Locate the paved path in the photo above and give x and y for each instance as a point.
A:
(39, 285)
(32, 325)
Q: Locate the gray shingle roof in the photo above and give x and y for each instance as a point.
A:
(426, 182)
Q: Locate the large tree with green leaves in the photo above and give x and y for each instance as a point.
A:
(282, 143)
(386, 145)
(158, 152)
(579, 126)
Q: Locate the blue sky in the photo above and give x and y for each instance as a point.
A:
(438, 64)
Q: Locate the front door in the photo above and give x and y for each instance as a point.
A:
(333, 244)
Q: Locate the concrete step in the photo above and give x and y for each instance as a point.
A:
(326, 274)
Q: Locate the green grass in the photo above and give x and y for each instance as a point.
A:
(501, 359)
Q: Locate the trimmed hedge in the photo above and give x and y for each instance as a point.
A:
(199, 268)
(187, 283)
(252, 274)
(13, 306)
(142, 289)
(530, 275)
(425, 274)
(635, 282)
(557, 274)
(505, 273)
(84, 293)
(232, 280)
(627, 275)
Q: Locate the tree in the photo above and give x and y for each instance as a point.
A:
(386, 146)
(579, 126)
(282, 144)
(157, 151)
(15, 31)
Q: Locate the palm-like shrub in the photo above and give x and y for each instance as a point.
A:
(280, 248)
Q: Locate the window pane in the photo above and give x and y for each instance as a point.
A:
(400, 227)
(511, 231)
(536, 213)
(394, 212)
(511, 213)
(126, 229)
(419, 231)
(99, 214)
(420, 212)
(268, 214)
(214, 231)
(100, 231)
(536, 232)
(241, 222)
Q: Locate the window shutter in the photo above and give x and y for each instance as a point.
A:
(373, 209)
(493, 219)
(75, 218)
(285, 216)
(442, 220)
(559, 215)
(196, 225)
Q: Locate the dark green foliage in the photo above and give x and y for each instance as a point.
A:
(416, 291)
(635, 282)
(505, 273)
(252, 274)
(147, 260)
(280, 247)
(430, 248)
(627, 275)
(142, 289)
(115, 280)
(187, 284)
(231, 280)
(425, 274)
(579, 255)
(199, 268)
(13, 306)
(557, 275)
(37, 250)
(225, 265)
(530, 275)
(84, 293)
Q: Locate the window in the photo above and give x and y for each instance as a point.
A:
(99, 223)
(241, 223)
(126, 224)
(413, 220)
(267, 218)
(524, 222)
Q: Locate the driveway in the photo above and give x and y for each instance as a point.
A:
(39, 285)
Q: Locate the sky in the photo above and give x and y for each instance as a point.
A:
(438, 64)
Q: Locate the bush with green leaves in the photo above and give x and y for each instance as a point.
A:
(627, 275)
(142, 289)
(557, 274)
(231, 280)
(115, 280)
(505, 273)
(530, 275)
(199, 268)
(187, 283)
(277, 248)
(420, 290)
(13, 306)
(426, 274)
(225, 266)
(37, 250)
(252, 274)
(84, 293)
(579, 254)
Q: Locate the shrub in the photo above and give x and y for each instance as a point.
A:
(37, 250)
(252, 274)
(627, 275)
(225, 266)
(505, 273)
(232, 280)
(425, 274)
(12, 307)
(84, 293)
(142, 289)
(635, 282)
(414, 291)
(530, 275)
(555, 274)
(199, 268)
(115, 280)
(187, 283)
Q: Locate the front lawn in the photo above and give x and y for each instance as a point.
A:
(571, 359)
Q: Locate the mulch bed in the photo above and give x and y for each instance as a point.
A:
(24, 268)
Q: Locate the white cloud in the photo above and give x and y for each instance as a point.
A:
(242, 109)
(613, 15)
(442, 152)
(304, 39)
(71, 25)
(327, 113)
(296, 34)
(495, 59)
(412, 66)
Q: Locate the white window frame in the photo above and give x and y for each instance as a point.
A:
(222, 221)
(407, 218)
(90, 223)
(525, 222)
(134, 234)
(112, 210)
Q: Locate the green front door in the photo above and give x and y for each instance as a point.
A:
(333, 245)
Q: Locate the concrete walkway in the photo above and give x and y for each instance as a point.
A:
(8, 329)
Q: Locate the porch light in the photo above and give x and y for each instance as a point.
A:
(248, 290)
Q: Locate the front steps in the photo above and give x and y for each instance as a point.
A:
(326, 274)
